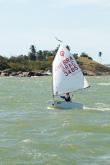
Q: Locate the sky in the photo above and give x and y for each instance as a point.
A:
(84, 25)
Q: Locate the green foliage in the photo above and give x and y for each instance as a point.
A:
(68, 47)
(19, 58)
(32, 54)
(30, 65)
(3, 63)
(75, 55)
(41, 60)
(86, 56)
(40, 55)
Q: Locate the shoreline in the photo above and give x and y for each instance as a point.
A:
(6, 73)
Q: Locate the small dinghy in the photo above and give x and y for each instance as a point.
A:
(67, 78)
(65, 105)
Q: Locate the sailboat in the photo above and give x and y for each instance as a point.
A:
(67, 77)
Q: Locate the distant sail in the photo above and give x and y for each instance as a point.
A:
(67, 76)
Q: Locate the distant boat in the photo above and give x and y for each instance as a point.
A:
(67, 77)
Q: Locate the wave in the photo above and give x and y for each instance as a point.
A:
(26, 141)
(104, 84)
(98, 107)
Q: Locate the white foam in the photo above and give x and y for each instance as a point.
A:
(97, 108)
(104, 84)
(26, 140)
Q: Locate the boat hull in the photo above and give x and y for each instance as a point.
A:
(65, 105)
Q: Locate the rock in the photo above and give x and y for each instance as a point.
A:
(88, 73)
(4, 74)
(39, 74)
(31, 73)
(13, 74)
(48, 72)
(25, 74)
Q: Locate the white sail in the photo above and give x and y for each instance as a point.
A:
(67, 76)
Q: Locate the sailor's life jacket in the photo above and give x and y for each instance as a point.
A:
(67, 98)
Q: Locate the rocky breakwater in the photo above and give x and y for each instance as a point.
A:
(88, 67)
(24, 74)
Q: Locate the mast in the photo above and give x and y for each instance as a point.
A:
(52, 69)
(58, 40)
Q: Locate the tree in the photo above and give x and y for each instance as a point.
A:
(100, 54)
(32, 54)
(100, 57)
(85, 55)
(75, 55)
(55, 51)
(68, 47)
(40, 55)
(4, 63)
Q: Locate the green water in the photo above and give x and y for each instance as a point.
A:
(32, 134)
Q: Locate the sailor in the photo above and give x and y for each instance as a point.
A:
(66, 97)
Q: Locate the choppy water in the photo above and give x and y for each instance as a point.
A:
(32, 134)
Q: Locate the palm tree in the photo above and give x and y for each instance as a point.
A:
(100, 57)
(32, 54)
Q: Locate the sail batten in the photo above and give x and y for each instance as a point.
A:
(67, 76)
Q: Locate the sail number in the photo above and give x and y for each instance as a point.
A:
(68, 66)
